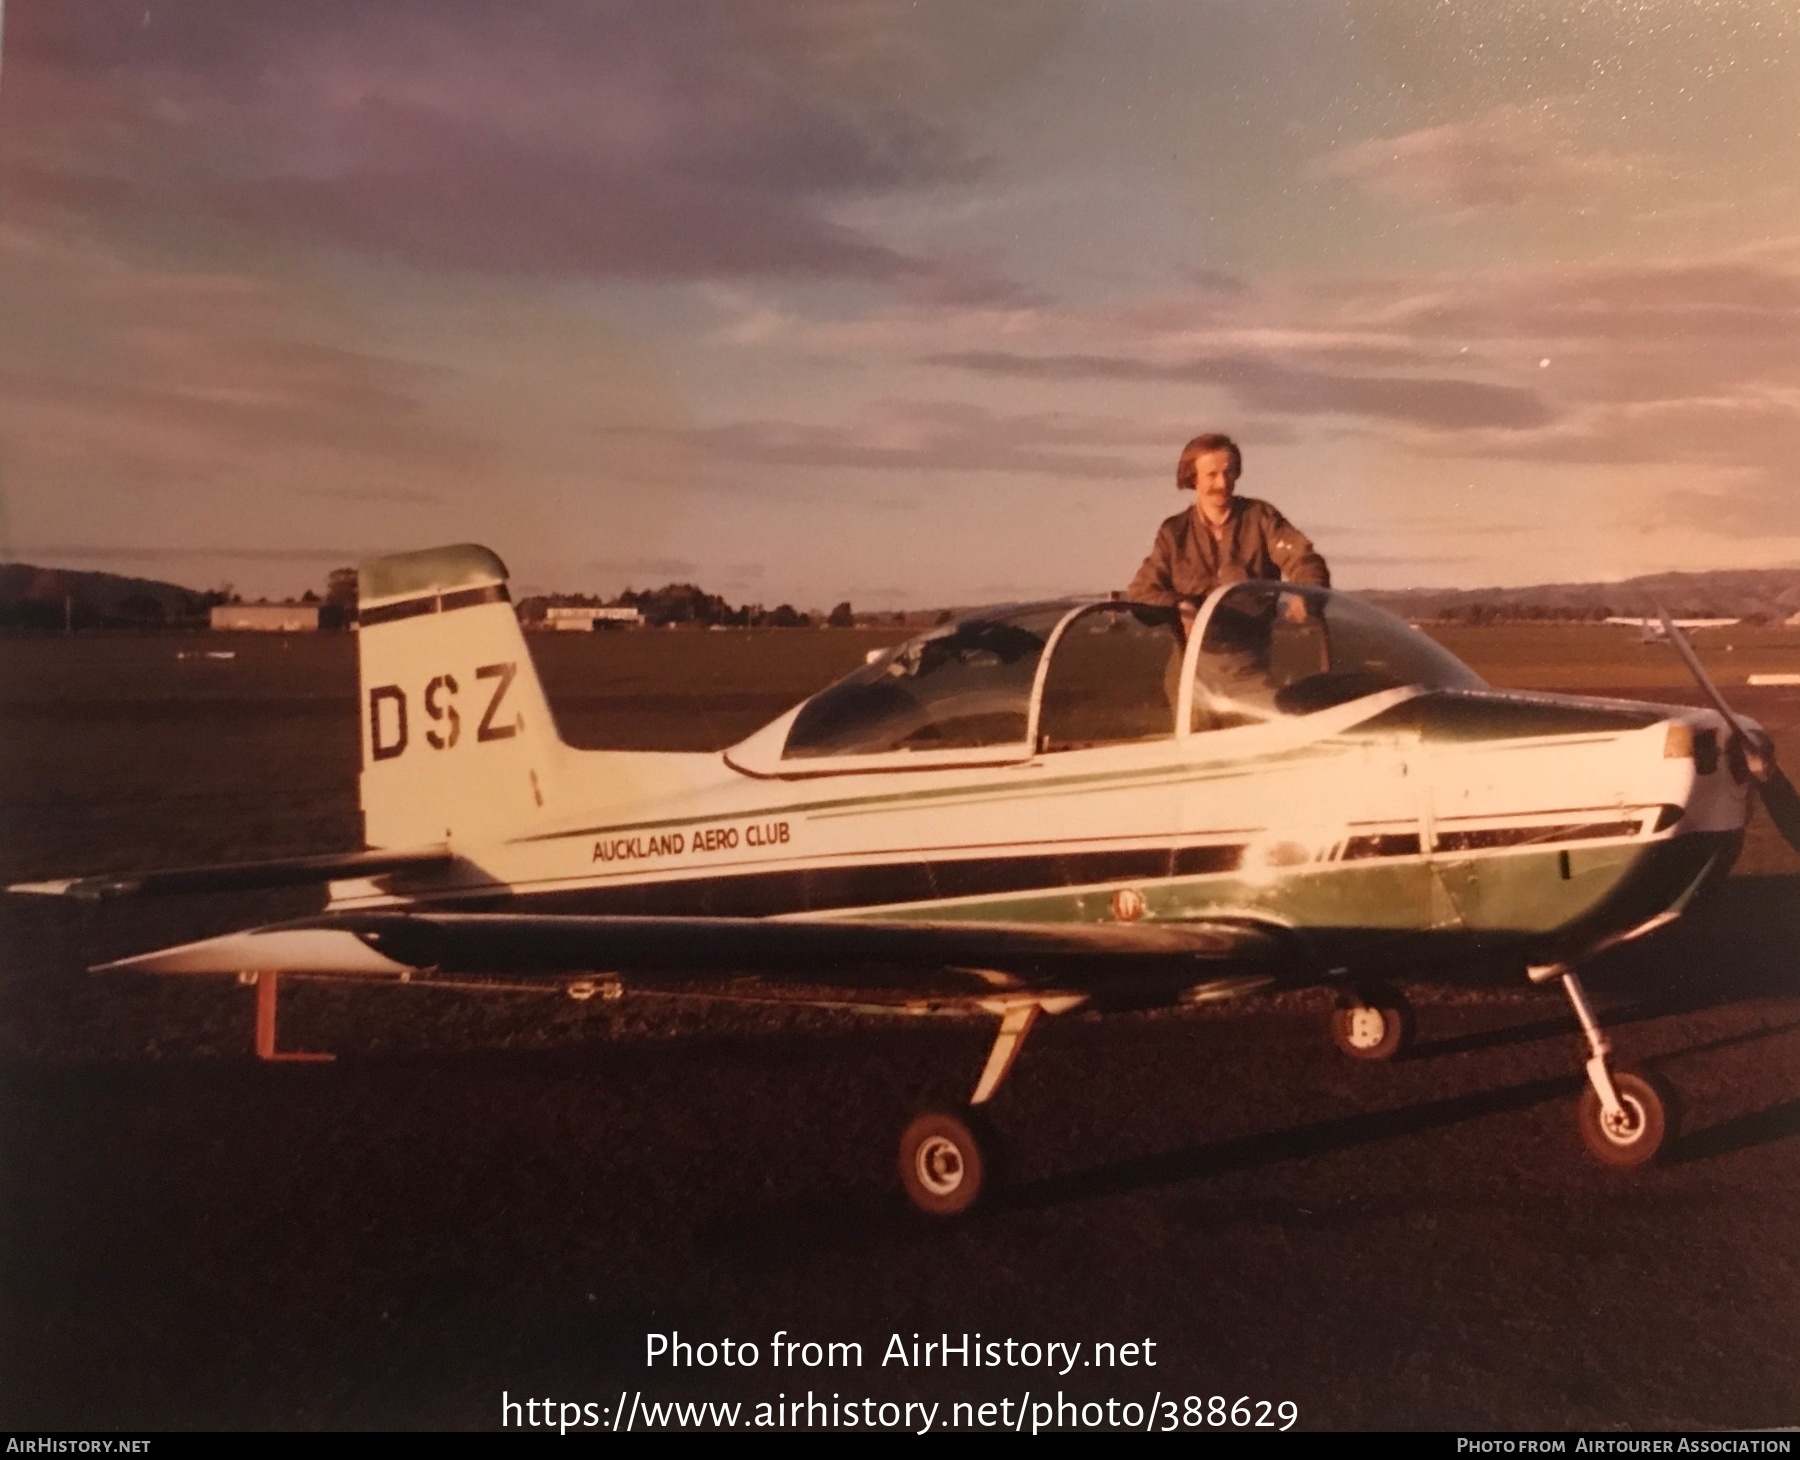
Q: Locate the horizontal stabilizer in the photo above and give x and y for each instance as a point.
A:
(267, 950)
(240, 876)
(490, 943)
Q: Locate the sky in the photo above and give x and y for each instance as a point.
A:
(906, 302)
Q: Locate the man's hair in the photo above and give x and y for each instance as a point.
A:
(1199, 446)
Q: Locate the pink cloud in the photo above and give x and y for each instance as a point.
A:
(1505, 158)
(938, 436)
(1684, 365)
(583, 138)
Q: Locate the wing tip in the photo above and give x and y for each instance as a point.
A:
(84, 889)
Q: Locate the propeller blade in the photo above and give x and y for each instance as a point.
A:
(1698, 670)
(1782, 802)
(1779, 797)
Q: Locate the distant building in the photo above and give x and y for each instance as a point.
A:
(585, 619)
(268, 618)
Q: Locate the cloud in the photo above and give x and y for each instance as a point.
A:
(122, 376)
(211, 405)
(373, 494)
(1678, 368)
(1416, 523)
(569, 136)
(940, 436)
(966, 284)
(1506, 158)
(663, 567)
(1285, 389)
(1402, 560)
(113, 553)
(1740, 453)
(1680, 365)
(1749, 513)
(1685, 363)
(1217, 281)
(1009, 591)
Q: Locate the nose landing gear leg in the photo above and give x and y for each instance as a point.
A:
(1624, 1118)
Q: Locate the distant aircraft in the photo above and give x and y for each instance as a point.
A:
(1652, 629)
(1025, 811)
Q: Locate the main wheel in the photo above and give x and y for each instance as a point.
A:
(942, 1165)
(1636, 1133)
(1374, 1024)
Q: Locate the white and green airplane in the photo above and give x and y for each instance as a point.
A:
(1029, 810)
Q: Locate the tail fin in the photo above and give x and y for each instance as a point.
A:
(457, 743)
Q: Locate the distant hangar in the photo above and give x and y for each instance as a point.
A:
(268, 618)
(583, 618)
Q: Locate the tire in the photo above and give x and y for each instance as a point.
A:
(942, 1164)
(1376, 1025)
(1646, 1127)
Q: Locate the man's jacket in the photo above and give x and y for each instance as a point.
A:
(1188, 561)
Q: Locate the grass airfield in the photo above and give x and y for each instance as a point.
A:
(508, 1192)
(1613, 659)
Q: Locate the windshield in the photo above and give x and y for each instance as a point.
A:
(964, 685)
(1273, 649)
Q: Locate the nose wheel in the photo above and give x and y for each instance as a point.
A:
(1632, 1133)
(1624, 1117)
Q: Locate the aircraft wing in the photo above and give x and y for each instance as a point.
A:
(781, 949)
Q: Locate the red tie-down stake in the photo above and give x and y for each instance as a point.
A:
(268, 992)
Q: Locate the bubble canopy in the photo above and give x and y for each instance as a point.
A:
(966, 684)
(1274, 650)
(1008, 683)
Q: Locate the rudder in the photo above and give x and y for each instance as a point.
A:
(458, 744)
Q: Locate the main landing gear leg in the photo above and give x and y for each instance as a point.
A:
(1624, 1117)
(1015, 1024)
(946, 1159)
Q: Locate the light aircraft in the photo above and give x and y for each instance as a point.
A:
(1652, 629)
(1029, 810)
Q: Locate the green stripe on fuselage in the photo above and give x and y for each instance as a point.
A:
(1385, 895)
(1521, 892)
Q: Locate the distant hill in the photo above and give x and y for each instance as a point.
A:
(39, 598)
(1771, 594)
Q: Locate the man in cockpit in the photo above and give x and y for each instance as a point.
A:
(1222, 538)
